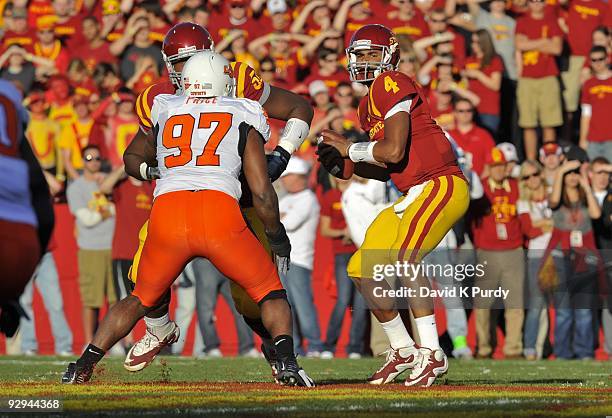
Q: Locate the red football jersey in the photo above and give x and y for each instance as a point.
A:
(248, 85)
(428, 152)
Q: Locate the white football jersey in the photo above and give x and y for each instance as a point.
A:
(200, 141)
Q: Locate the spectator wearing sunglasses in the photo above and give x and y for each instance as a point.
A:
(95, 224)
(475, 141)
(535, 213)
(583, 16)
(596, 102)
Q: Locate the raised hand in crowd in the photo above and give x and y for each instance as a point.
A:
(300, 21)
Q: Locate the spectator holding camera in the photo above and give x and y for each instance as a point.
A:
(575, 256)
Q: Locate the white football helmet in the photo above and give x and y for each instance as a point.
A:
(207, 74)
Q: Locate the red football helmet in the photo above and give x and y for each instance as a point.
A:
(181, 42)
(367, 38)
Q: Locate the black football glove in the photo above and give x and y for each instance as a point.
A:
(277, 162)
(330, 159)
(281, 247)
(153, 173)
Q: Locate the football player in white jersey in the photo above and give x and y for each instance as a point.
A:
(205, 137)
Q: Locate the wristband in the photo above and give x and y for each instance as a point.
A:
(294, 133)
(362, 152)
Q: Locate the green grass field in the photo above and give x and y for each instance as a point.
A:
(242, 387)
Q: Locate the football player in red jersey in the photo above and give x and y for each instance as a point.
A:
(407, 147)
(180, 43)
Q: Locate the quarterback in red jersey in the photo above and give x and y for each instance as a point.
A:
(183, 41)
(407, 147)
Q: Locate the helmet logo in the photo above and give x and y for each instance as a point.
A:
(187, 49)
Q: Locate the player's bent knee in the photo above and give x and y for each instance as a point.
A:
(274, 294)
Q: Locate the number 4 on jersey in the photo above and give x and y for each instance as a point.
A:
(390, 85)
(182, 141)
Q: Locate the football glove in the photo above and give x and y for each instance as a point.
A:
(332, 161)
(281, 247)
(153, 173)
(277, 162)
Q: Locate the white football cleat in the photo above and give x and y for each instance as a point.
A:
(430, 364)
(147, 348)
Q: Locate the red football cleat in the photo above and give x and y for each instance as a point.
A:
(398, 361)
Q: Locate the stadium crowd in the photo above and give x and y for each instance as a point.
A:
(521, 87)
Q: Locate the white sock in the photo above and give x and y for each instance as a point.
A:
(397, 333)
(160, 327)
(426, 325)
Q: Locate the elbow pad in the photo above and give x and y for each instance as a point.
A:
(294, 133)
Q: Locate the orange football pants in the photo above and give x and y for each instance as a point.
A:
(206, 223)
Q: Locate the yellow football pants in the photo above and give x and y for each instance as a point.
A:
(413, 226)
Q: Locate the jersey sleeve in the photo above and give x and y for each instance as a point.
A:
(391, 92)
(249, 84)
(144, 103)
(256, 116)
